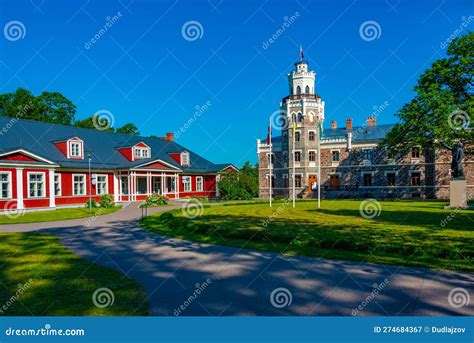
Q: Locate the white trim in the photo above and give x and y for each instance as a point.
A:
(184, 153)
(154, 161)
(116, 187)
(52, 195)
(190, 183)
(60, 184)
(27, 153)
(81, 149)
(19, 189)
(28, 174)
(85, 184)
(9, 184)
(97, 184)
(202, 184)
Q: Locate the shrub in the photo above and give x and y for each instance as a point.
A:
(92, 202)
(167, 216)
(156, 200)
(106, 201)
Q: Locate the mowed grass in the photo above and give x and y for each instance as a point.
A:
(55, 215)
(40, 277)
(410, 233)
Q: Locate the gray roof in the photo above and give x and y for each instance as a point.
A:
(38, 137)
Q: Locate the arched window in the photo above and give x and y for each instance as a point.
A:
(300, 118)
(307, 90)
(298, 90)
(293, 117)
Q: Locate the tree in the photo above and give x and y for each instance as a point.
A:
(48, 107)
(240, 185)
(440, 113)
(129, 129)
(88, 123)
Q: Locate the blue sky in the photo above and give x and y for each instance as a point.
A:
(143, 70)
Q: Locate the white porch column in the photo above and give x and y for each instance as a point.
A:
(176, 186)
(52, 196)
(163, 184)
(218, 178)
(116, 187)
(19, 189)
(148, 183)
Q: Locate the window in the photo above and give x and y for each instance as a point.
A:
(36, 185)
(142, 152)
(415, 178)
(367, 180)
(300, 118)
(185, 158)
(75, 149)
(334, 181)
(307, 90)
(297, 180)
(367, 154)
(297, 136)
(170, 184)
(312, 156)
(199, 184)
(78, 184)
(311, 136)
(187, 183)
(415, 152)
(285, 181)
(101, 184)
(335, 156)
(271, 158)
(57, 185)
(297, 156)
(5, 186)
(298, 90)
(124, 184)
(391, 178)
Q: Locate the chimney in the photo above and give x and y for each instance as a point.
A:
(169, 136)
(349, 124)
(371, 121)
(333, 124)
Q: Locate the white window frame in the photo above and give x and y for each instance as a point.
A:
(85, 185)
(43, 195)
(57, 175)
(185, 158)
(127, 178)
(9, 184)
(190, 183)
(141, 152)
(199, 188)
(97, 184)
(80, 145)
(309, 132)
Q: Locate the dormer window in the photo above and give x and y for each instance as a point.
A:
(142, 152)
(75, 149)
(185, 158)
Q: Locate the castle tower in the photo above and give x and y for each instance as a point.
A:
(304, 108)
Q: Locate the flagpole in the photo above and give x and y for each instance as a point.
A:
(319, 162)
(293, 156)
(270, 164)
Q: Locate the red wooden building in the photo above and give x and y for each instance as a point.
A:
(44, 166)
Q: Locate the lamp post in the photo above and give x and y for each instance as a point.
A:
(90, 182)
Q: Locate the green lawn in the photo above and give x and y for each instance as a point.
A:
(404, 233)
(40, 277)
(55, 215)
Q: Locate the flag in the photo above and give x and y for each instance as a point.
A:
(301, 53)
(269, 134)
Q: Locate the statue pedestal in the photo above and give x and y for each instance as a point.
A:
(457, 194)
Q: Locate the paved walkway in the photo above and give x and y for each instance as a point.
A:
(242, 281)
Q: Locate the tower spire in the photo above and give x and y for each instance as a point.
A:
(301, 53)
